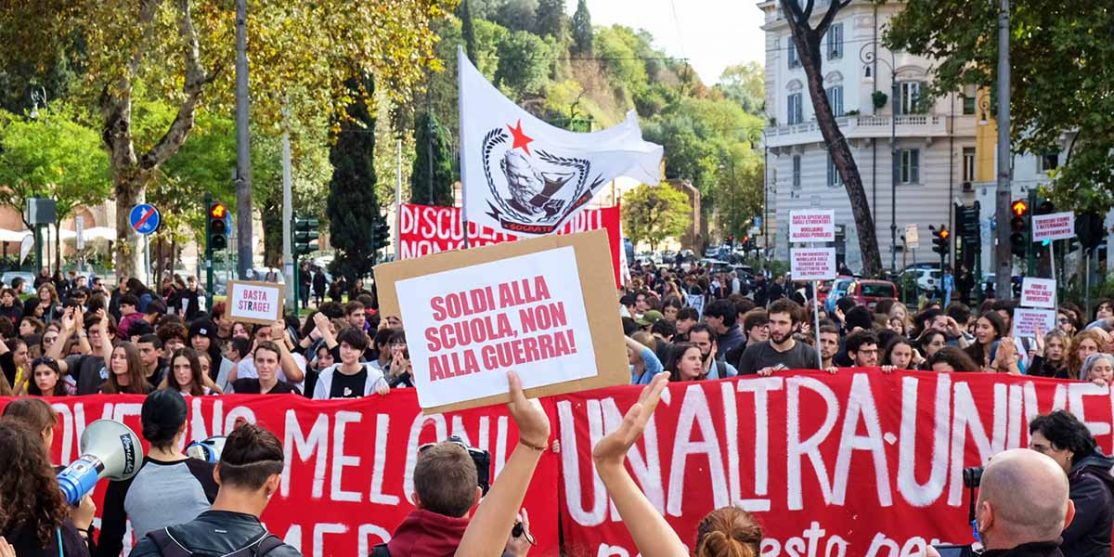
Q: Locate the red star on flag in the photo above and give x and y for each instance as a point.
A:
(520, 137)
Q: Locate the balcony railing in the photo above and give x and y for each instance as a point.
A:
(862, 126)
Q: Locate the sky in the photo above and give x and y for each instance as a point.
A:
(712, 34)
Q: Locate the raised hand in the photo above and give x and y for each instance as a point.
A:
(613, 448)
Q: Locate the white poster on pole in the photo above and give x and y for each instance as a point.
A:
(1056, 226)
(912, 237)
(813, 263)
(812, 226)
(1038, 293)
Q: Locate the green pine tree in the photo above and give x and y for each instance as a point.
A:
(464, 12)
(582, 28)
(550, 19)
(431, 181)
(352, 208)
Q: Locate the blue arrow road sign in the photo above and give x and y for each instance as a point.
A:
(145, 218)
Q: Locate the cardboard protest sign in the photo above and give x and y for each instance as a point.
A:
(1038, 293)
(1056, 226)
(813, 263)
(1026, 321)
(255, 302)
(542, 307)
(696, 301)
(812, 226)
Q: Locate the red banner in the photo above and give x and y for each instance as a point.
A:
(425, 229)
(855, 464)
(349, 464)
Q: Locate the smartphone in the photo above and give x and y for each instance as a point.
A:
(954, 550)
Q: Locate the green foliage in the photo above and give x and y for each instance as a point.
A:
(746, 85)
(582, 29)
(653, 213)
(431, 182)
(352, 207)
(524, 61)
(464, 13)
(550, 20)
(1075, 96)
(51, 156)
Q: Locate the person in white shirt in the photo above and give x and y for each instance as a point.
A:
(351, 378)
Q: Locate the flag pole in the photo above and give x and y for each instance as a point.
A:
(460, 58)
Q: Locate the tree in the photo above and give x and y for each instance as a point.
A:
(653, 213)
(582, 29)
(178, 51)
(51, 156)
(807, 39)
(352, 208)
(524, 61)
(468, 30)
(1075, 98)
(431, 182)
(550, 20)
(745, 84)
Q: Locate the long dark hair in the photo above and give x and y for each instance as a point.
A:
(137, 384)
(196, 387)
(31, 498)
(674, 357)
(59, 386)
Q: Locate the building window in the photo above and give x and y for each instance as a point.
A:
(797, 171)
(796, 109)
(835, 99)
(1048, 161)
(835, 41)
(910, 171)
(968, 105)
(911, 101)
(834, 179)
(968, 164)
(794, 60)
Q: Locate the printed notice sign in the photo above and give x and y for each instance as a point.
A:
(532, 310)
(255, 302)
(1057, 226)
(1038, 293)
(814, 263)
(812, 226)
(1027, 321)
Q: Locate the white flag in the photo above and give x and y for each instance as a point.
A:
(527, 177)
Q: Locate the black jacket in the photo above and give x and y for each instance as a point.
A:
(1092, 491)
(216, 533)
(1035, 549)
(27, 544)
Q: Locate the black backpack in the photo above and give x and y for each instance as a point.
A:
(169, 547)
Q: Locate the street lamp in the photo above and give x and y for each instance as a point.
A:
(868, 56)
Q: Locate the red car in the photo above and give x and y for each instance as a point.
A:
(869, 292)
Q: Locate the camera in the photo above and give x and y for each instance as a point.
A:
(482, 460)
(972, 477)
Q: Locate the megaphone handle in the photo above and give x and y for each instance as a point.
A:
(80, 477)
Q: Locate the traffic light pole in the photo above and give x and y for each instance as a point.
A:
(208, 254)
(1003, 260)
(297, 286)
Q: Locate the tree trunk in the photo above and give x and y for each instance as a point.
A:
(129, 251)
(808, 41)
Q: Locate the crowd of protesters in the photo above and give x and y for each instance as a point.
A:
(80, 337)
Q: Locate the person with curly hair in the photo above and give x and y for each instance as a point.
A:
(34, 518)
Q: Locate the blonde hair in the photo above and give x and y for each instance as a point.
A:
(729, 532)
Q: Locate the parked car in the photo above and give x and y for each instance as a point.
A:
(715, 265)
(869, 292)
(837, 290)
(926, 279)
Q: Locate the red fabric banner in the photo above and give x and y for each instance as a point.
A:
(425, 229)
(349, 464)
(853, 464)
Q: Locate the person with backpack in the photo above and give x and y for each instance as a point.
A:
(248, 474)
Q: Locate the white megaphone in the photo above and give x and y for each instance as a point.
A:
(110, 450)
(207, 450)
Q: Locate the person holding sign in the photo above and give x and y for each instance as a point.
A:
(351, 378)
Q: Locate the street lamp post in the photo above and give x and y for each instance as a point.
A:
(868, 57)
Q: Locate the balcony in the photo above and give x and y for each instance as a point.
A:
(860, 127)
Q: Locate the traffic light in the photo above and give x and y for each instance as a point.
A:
(217, 228)
(1090, 229)
(305, 236)
(1019, 227)
(942, 241)
(381, 234)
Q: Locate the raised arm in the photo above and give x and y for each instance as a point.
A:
(290, 368)
(651, 533)
(491, 525)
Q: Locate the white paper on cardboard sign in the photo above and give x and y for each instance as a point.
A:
(1038, 293)
(255, 302)
(812, 226)
(1055, 226)
(1026, 321)
(813, 263)
(523, 313)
